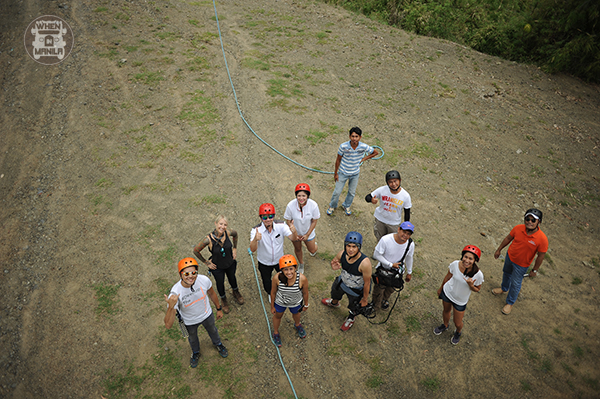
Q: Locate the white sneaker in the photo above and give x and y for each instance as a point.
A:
(301, 268)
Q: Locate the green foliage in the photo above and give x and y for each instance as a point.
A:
(106, 295)
(431, 383)
(559, 35)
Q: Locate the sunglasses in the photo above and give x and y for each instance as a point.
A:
(530, 219)
(187, 274)
(265, 217)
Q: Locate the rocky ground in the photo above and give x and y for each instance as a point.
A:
(114, 163)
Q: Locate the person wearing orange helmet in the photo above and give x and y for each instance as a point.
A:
(304, 214)
(463, 277)
(290, 291)
(266, 239)
(189, 299)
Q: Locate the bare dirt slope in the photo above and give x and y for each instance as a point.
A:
(114, 163)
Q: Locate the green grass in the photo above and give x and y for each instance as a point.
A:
(255, 64)
(412, 323)
(316, 137)
(431, 383)
(422, 150)
(106, 294)
(103, 182)
(191, 156)
(199, 110)
(576, 281)
(525, 386)
(167, 255)
(149, 78)
(374, 381)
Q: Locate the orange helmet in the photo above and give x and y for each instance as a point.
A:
(287, 261)
(186, 262)
(266, 209)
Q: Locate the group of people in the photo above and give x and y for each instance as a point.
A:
(394, 253)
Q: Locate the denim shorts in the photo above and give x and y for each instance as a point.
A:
(458, 308)
(294, 310)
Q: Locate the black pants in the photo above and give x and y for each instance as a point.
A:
(265, 274)
(220, 274)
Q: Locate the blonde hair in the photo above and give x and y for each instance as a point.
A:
(220, 217)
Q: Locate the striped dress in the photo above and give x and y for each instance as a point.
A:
(289, 296)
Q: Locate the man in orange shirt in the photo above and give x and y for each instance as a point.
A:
(527, 241)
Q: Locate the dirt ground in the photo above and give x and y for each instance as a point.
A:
(114, 163)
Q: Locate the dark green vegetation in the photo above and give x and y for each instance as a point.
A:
(558, 35)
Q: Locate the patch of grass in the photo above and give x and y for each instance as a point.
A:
(525, 386)
(577, 351)
(576, 281)
(316, 137)
(149, 78)
(111, 54)
(531, 354)
(197, 63)
(167, 255)
(326, 255)
(104, 182)
(106, 294)
(199, 110)
(284, 88)
(255, 64)
(374, 381)
(129, 189)
(412, 323)
(101, 9)
(546, 366)
(432, 384)
(393, 329)
(190, 156)
(422, 150)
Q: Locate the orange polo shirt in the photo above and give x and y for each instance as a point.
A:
(523, 248)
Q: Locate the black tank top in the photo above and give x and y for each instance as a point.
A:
(221, 255)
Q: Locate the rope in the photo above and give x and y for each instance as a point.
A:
(269, 324)
(237, 104)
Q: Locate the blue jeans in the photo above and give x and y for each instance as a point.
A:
(512, 279)
(339, 186)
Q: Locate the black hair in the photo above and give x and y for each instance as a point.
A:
(473, 271)
(356, 130)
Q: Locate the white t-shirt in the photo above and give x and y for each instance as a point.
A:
(193, 303)
(270, 246)
(302, 218)
(388, 251)
(457, 289)
(390, 205)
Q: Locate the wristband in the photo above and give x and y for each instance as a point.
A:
(219, 308)
(307, 305)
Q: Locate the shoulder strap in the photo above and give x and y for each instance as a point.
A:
(406, 251)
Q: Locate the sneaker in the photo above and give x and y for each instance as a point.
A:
(498, 291)
(347, 210)
(300, 330)
(311, 254)
(301, 268)
(385, 305)
(330, 210)
(440, 329)
(222, 350)
(328, 302)
(507, 309)
(194, 360)
(277, 340)
(347, 324)
(455, 338)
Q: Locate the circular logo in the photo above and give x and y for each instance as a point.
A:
(48, 39)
